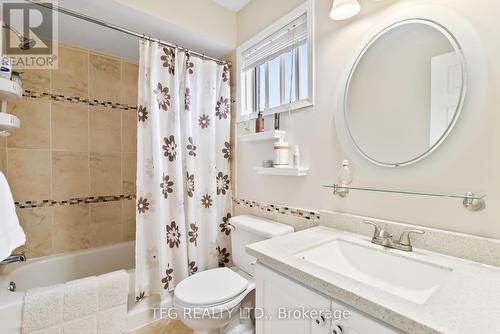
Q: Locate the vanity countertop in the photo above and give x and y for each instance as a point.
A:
(469, 301)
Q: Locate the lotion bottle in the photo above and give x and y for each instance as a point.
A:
(259, 123)
(296, 156)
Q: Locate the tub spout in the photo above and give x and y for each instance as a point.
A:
(14, 258)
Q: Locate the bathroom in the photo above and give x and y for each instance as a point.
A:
(249, 166)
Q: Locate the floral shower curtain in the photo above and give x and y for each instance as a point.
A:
(183, 187)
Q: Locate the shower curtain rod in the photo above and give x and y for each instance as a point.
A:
(124, 30)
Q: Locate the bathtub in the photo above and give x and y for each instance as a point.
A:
(62, 268)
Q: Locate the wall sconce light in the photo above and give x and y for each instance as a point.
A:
(344, 9)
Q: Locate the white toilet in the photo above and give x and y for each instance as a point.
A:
(210, 302)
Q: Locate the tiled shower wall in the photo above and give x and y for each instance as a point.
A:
(74, 145)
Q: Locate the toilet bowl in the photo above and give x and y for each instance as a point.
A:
(218, 301)
(211, 301)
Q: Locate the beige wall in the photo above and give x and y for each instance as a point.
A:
(258, 14)
(468, 161)
(66, 150)
(203, 17)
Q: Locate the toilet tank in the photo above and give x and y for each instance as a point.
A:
(249, 229)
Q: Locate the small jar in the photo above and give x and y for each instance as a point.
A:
(281, 154)
(296, 156)
(268, 163)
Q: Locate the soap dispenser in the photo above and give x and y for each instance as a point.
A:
(344, 178)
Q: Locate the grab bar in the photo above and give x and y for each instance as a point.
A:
(14, 258)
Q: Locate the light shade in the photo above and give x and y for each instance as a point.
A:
(344, 9)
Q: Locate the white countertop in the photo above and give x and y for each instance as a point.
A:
(469, 302)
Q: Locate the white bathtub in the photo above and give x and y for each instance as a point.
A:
(66, 267)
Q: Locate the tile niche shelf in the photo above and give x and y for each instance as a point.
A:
(263, 136)
(288, 171)
(9, 90)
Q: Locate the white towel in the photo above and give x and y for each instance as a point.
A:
(113, 321)
(92, 305)
(43, 307)
(113, 289)
(81, 298)
(86, 325)
(50, 330)
(11, 233)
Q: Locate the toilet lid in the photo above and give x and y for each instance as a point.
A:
(210, 287)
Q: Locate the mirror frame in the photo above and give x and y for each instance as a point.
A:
(458, 49)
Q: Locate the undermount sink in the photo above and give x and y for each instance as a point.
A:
(397, 274)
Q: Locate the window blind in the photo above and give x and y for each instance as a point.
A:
(289, 37)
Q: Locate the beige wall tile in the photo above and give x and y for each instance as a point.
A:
(71, 78)
(130, 73)
(3, 160)
(106, 213)
(129, 171)
(35, 124)
(74, 238)
(105, 235)
(71, 215)
(297, 223)
(37, 225)
(241, 210)
(245, 210)
(104, 78)
(36, 80)
(106, 223)
(70, 175)
(29, 174)
(128, 219)
(71, 227)
(70, 126)
(129, 131)
(105, 174)
(105, 129)
(49, 156)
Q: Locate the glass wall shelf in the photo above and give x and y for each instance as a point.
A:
(471, 201)
(405, 192)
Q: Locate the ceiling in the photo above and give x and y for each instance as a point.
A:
(92, 36)
(232, 5)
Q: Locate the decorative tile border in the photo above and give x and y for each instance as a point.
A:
(72, 201)
(281, 209)
(73, 99)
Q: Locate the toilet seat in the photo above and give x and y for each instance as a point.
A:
(210, 288)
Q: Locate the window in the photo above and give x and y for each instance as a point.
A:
(275, 67)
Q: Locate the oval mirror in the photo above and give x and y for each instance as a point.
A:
(405, 92)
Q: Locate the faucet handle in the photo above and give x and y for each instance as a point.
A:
(378, 230)
(404, 239)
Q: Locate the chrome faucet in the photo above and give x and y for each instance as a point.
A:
(14, 258)
(383, 238)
